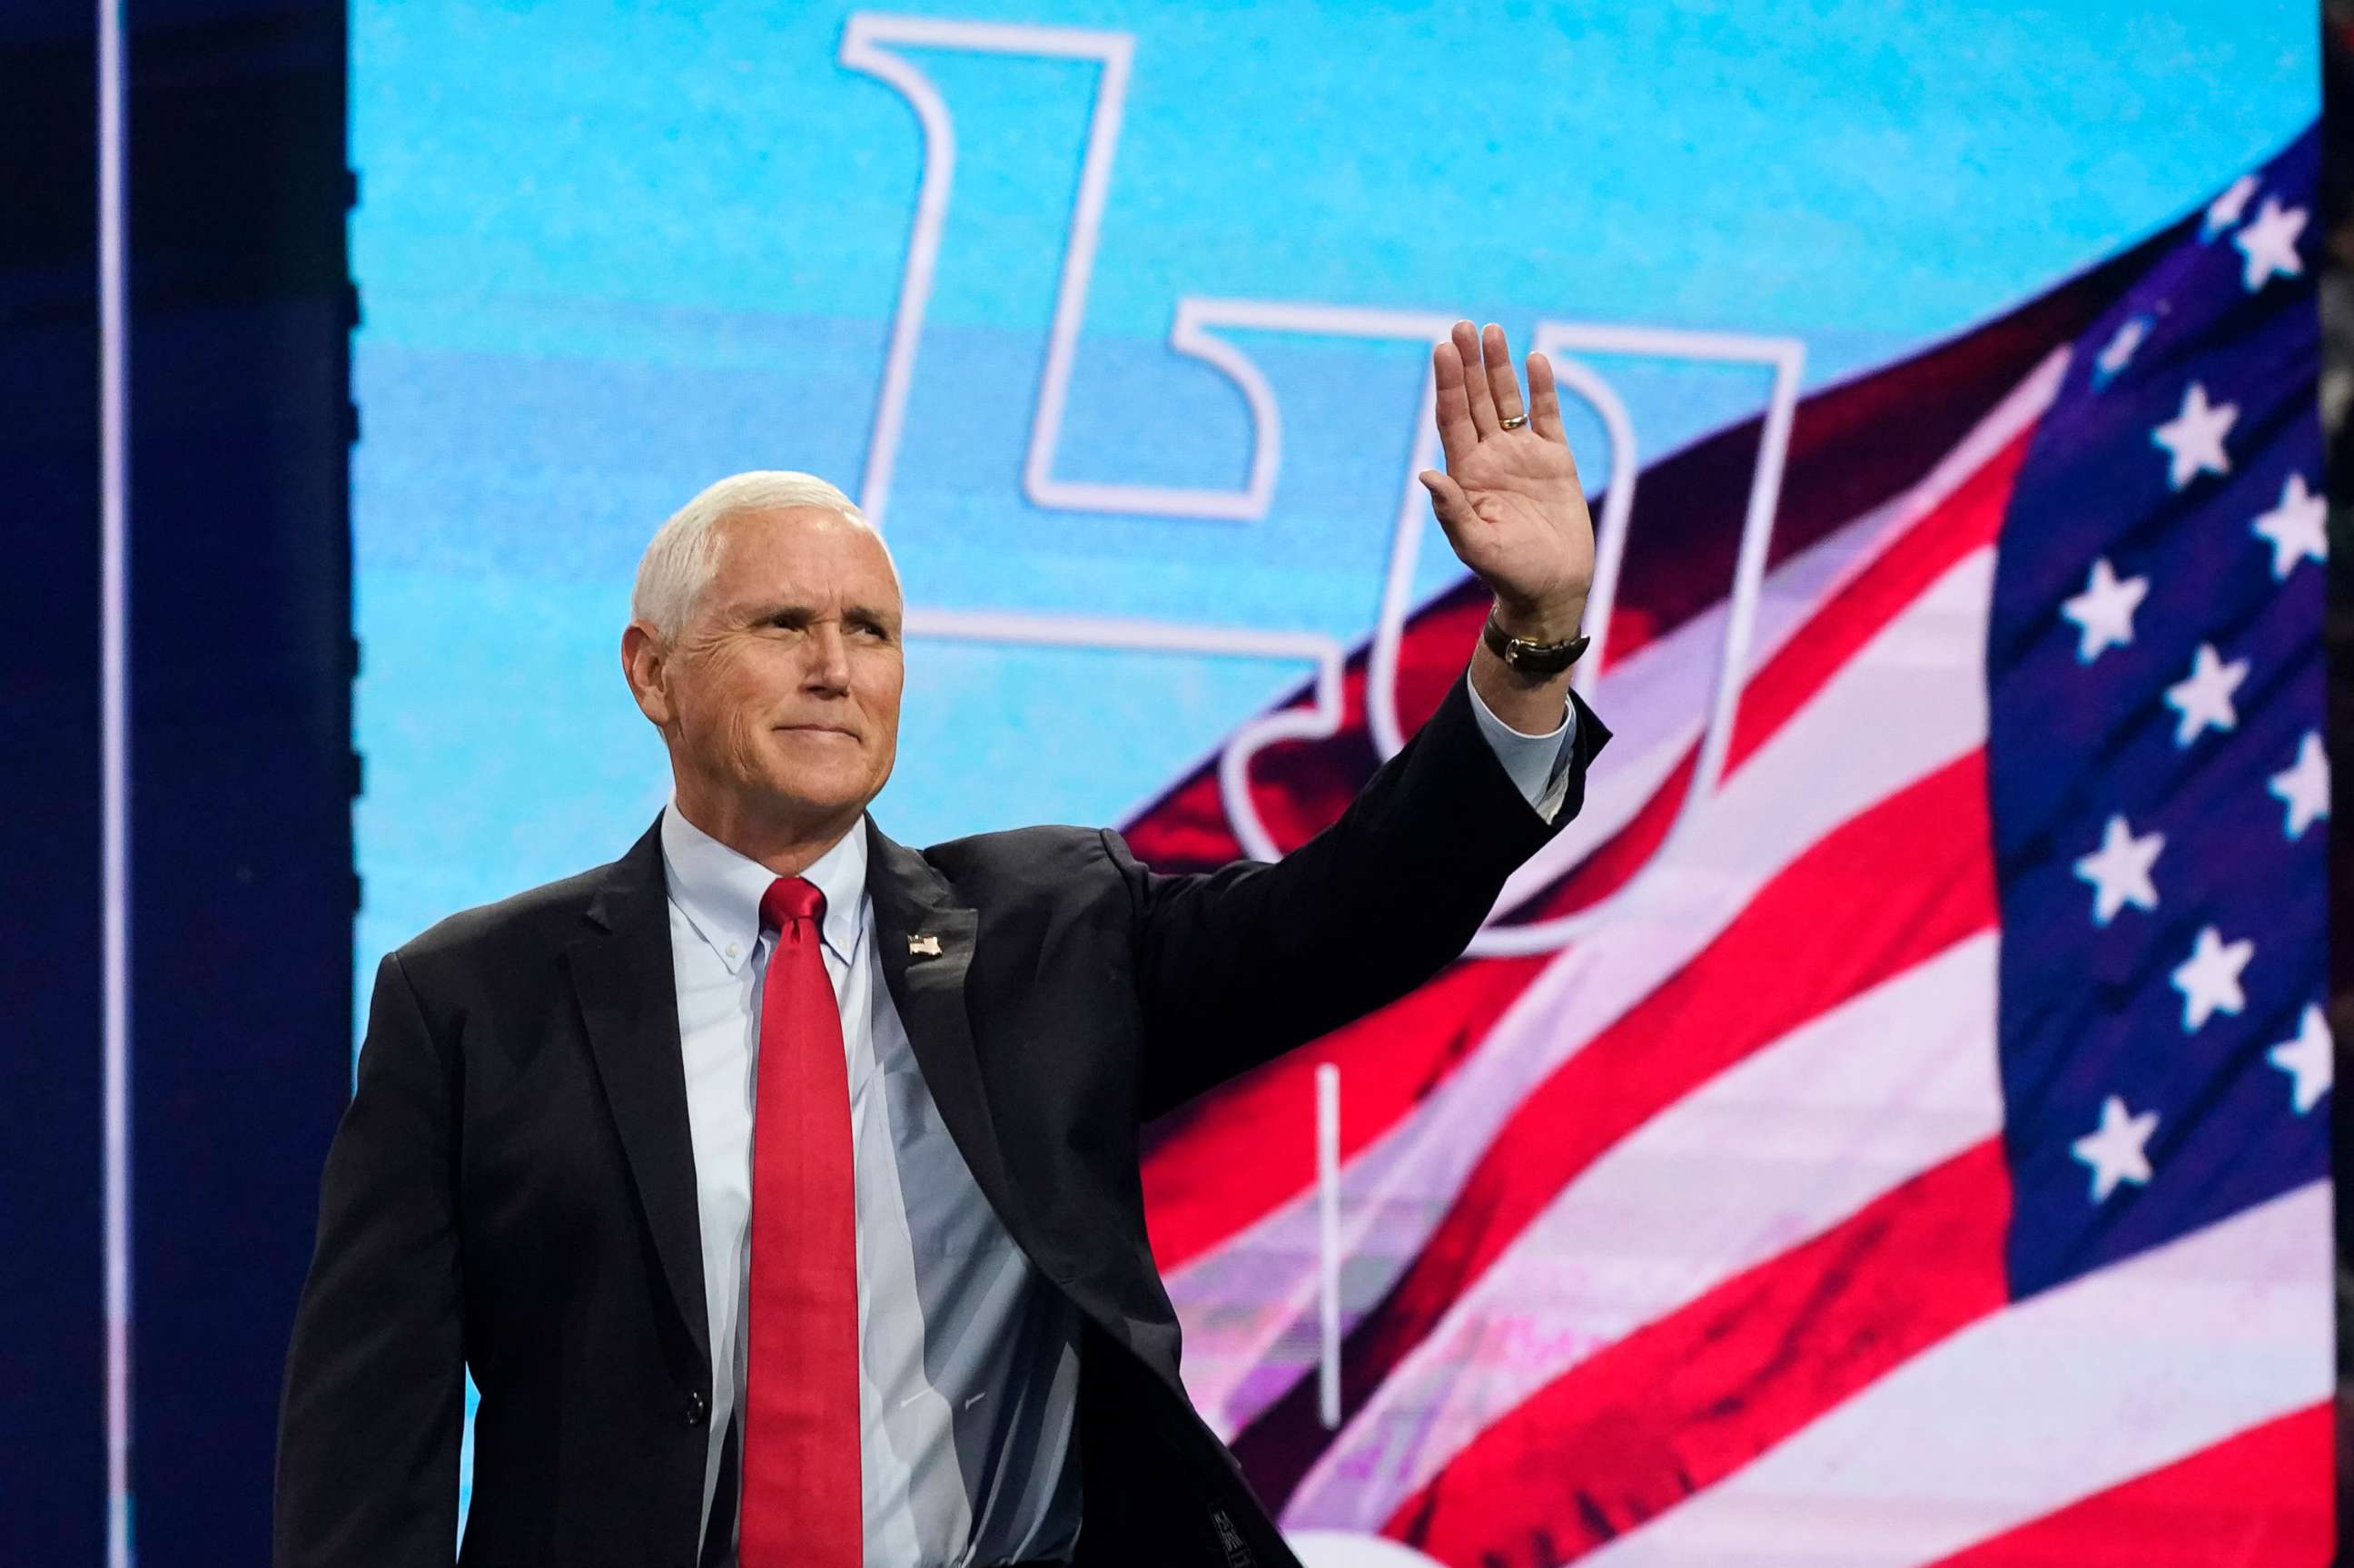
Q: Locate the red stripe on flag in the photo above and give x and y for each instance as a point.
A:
(1209, 1171)
(2262, 1497)
(1214, 1170)
(1889, 889)
(1696, 1396)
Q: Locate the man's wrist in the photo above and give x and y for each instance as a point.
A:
(1544, 622)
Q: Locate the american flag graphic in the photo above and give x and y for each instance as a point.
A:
(1926, 1160)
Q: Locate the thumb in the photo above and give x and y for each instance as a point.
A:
(1447, 498)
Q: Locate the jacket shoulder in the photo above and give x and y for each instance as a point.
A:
(1054, 858)
(536, 920)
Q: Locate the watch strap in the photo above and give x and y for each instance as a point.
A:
(1530, 658)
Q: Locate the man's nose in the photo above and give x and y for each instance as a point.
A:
(829, 656)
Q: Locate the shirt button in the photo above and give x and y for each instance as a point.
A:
(733, 950)
(698, 1409)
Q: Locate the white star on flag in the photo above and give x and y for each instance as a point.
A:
(2270, 245)
(2204, 697)
(2304, 787)
(2118, 1151)
(2119, 870)
(2105, 610)
(2306, 1060)
(2193, 439)
(2225, 209)
(2119, 351)
(2210, 978)
(2296, 528)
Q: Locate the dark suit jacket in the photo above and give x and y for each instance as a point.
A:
(512, 1187)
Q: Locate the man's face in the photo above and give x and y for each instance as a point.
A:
(783, 686)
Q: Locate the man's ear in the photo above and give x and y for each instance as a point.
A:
(645, 662)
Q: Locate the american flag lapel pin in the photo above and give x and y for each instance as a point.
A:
(924, 946)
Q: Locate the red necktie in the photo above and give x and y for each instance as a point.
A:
(801, 1500)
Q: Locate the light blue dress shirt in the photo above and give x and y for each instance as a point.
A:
(969, 1366)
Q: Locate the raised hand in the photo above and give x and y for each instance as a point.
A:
(1510, 501)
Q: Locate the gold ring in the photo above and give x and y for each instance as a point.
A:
(1515, 422)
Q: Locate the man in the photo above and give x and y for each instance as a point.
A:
(779, 1182)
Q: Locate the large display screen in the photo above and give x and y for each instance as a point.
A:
(1890, 1126)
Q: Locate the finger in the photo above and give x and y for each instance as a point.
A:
(1502, 384)
(1451, 407)
(1475, 383)
(1545, 401)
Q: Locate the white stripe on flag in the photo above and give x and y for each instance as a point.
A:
(2066, 1394)
(1768, 1155)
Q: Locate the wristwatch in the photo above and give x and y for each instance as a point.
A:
(1530, 658)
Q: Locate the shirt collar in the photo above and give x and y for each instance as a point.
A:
(719, 889)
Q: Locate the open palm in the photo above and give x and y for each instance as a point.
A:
(1510, 500)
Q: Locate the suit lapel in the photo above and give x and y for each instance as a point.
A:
(917, 911)
(629, 1002)
(622, 970)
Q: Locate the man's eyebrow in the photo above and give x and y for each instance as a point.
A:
(786, 609)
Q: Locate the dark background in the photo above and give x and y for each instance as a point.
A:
(2337, 431)
(240, 768)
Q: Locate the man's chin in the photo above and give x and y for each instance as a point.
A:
(802, 796)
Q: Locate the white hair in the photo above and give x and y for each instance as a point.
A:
(684, 555)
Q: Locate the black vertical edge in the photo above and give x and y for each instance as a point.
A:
(52, 1311)
(241, 301)
(2337, 291)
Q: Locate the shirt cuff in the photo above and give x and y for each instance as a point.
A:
(1537, 764)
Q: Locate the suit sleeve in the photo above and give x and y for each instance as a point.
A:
(374, 1399)
(1241, 964)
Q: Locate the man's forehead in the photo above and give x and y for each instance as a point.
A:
(764, 568)
(791, 526)
(809, 533)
